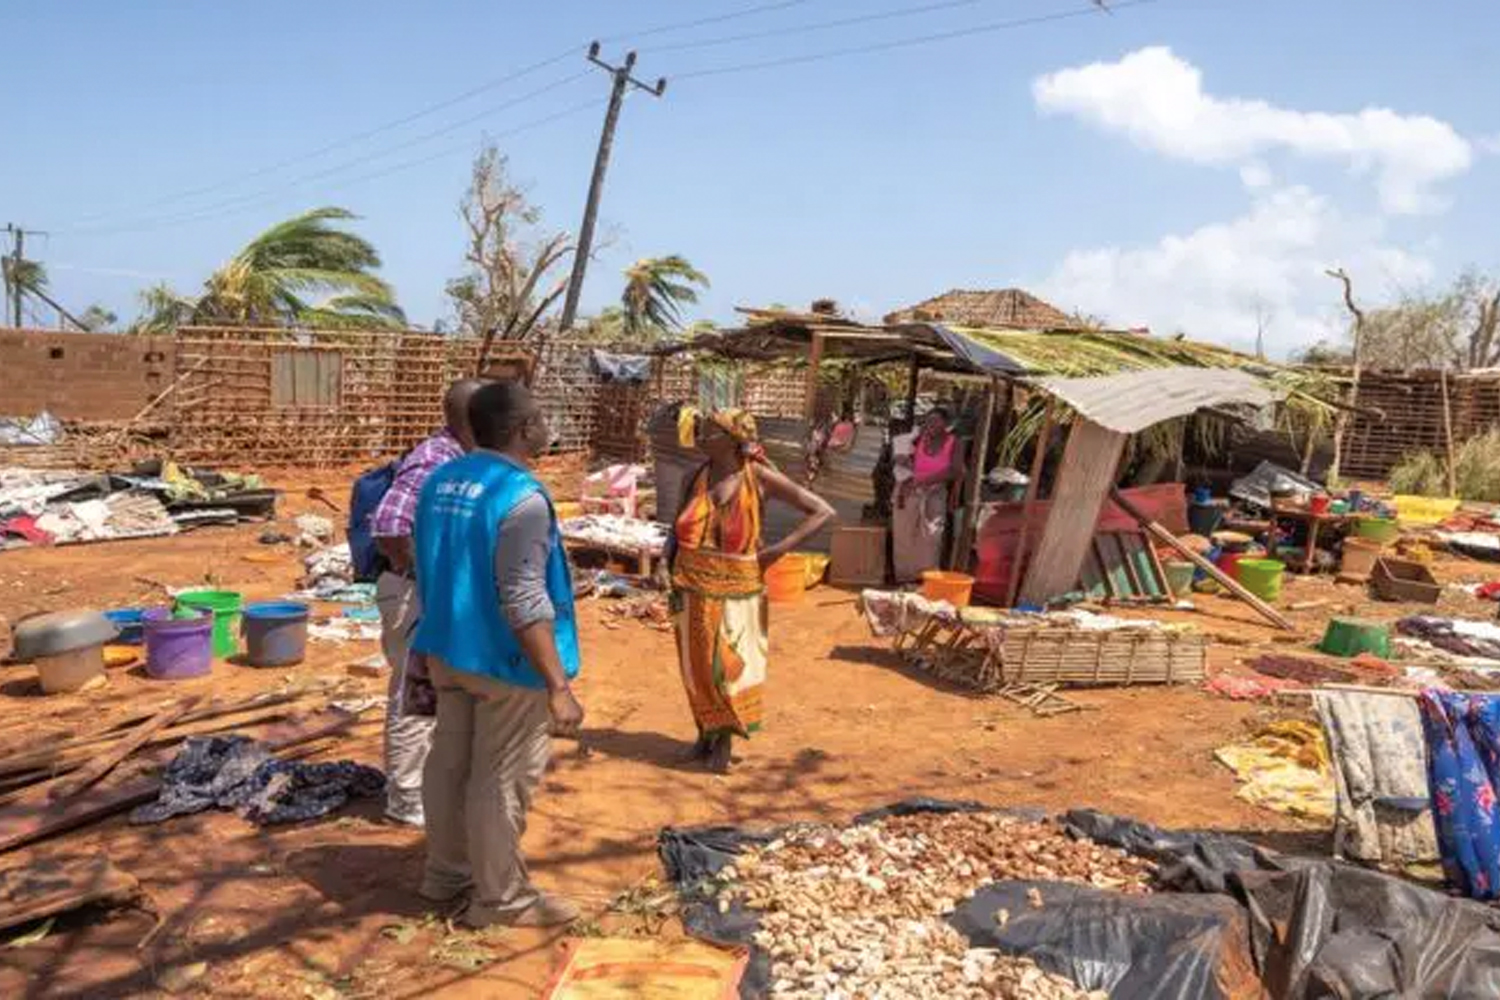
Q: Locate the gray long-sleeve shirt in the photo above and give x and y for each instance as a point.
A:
(521, 552)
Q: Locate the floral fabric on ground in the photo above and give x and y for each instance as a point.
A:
(1463, 760)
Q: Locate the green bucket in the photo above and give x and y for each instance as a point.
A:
(1349, 637)
(224, 605)
(1262, 577)
(1381, 530)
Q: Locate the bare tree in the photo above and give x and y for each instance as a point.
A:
(513, 276)
(1341, 419)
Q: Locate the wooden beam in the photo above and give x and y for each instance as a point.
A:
(108, 761)
(1228, 583)
(814, 363)
(913, 375)
(1084, 481)
(1038, 460)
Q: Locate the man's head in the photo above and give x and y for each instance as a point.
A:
(456, 409)
(505, 418)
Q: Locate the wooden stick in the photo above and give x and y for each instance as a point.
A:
(1032, 486)
(1229, 584)
(1447, 434)
(110, 760)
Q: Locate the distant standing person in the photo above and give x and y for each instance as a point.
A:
(717, 589)
(408, 735)
(500, 636)
(921, 508)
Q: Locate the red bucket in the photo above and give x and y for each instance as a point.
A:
(1319, 504)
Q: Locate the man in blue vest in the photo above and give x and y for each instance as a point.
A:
(501, 640)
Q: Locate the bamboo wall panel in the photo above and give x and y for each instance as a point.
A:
(1410, 417)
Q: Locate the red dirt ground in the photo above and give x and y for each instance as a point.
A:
(327, 909)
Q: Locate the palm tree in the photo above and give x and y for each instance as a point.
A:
(21, 278)
(274, 279)
(656, 289)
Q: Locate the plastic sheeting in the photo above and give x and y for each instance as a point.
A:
(1229, 920)
(631, 369)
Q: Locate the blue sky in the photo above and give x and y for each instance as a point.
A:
(1187, 164)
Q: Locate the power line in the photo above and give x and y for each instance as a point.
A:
(360, 160)
(467, 146)
(442, 105)
(797, 29)
(1092, 10)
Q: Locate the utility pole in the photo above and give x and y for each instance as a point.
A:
(622, 79)
(13, 282)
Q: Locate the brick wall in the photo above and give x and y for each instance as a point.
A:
(81, 376)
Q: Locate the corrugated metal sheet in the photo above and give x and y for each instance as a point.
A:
(844, 480)
(1133, 401)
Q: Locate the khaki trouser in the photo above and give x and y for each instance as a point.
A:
(489, 753)
(407, 738)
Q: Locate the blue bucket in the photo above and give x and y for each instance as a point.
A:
(130, 622)
(275, 633)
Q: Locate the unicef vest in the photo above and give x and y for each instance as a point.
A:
(457, 527)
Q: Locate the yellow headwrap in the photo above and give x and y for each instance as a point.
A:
(737, 423)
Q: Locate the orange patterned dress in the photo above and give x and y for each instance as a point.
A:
(721, 623)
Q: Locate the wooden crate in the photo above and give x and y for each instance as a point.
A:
(1403, 580)
(857, 557)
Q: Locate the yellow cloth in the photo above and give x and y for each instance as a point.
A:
(1284, 767)
(646, 969)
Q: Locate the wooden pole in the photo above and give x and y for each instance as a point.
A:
(1229, 584)
(814, 363)
(963, 540)
(1039, 456)
(1448, 434)
(914, 374)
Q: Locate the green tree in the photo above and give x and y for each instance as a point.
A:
(96, 318)
(305, 271)
(656, 289)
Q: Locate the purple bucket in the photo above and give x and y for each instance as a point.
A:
(177, 648)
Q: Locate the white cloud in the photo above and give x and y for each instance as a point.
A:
(1158, 100)
(1490, 144)
(1220, 281)
(1256, 175)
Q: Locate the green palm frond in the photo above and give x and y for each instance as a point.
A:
(656, 290)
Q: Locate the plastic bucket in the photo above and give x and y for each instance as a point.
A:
(1319, 504)
(1351, 636)
(941, 585)
(1229, 563)
(1262, 577)
(128, 621)
(224, 605)
(275, 633)
(786, 579)
(1204, 518)
(1377, 529)
(1179, 577)
(178, 647)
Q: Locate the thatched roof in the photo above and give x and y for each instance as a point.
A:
(1005, 308)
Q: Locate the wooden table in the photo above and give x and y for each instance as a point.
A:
(1314, 523)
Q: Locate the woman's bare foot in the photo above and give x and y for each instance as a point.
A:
(721, 755)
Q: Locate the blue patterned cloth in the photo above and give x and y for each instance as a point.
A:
(1463, 762)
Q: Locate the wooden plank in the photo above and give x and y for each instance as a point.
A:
(1228, 583)
(1137, 556)
(47, 887)
(110, 759)
(36, 817)
(963, 545)
(1083, 484)
(1091, 578)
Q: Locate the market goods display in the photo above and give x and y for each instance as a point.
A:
(858, 912)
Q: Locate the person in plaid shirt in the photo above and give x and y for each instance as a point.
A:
(408, 729)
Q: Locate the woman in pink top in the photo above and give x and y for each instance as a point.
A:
(921, 508)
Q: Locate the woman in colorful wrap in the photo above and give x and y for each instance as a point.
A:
(717, 560)
(920, 514)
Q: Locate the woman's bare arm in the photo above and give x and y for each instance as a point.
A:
(819, 512)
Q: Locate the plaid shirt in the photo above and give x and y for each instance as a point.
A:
(398, 508)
